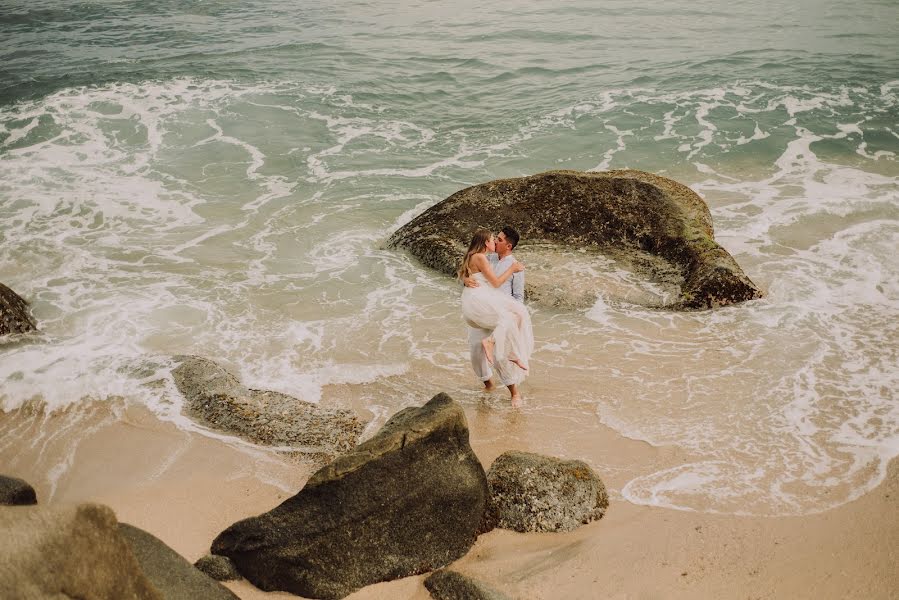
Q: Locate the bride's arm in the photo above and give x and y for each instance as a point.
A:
(480, 260)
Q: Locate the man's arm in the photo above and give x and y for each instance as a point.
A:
(518, 286)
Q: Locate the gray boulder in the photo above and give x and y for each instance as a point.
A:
(220, 568)
(407, 501)
(171, 574)
(72, 552)
(530, 492)
(450, 585)
(217, 399)
(14, 314)
(651, 223)
(15, 492)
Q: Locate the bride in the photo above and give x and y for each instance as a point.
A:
(485, 307)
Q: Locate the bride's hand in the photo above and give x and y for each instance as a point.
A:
(517, 267)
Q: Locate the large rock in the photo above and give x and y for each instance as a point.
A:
(15, 492)
(450, 585)
(14, 314)
(216, 398)
(530, 492)
(170, 573)
(73, 552)
(407, 501)
(651, 223)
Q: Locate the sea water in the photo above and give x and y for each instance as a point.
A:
(219, 178)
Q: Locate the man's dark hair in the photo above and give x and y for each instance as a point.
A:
(511, 235)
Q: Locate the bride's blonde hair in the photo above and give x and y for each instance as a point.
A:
(478, 244)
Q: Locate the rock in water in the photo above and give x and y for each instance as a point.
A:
(623, 211)
(14, 314)
(216, 398)
(530, 492)
(407, 501)
(168, 571)
(73, 552)
(450, 585)
(15, 492)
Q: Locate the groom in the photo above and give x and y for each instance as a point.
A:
(506, 240)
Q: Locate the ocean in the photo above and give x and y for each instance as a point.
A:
(219, 178)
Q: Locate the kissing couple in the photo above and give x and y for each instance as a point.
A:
(500, 334)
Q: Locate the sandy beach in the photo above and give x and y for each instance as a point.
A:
(185, 487)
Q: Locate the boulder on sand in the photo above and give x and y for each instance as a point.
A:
(450, 585)
(409, 500)
(14, 314)
(530, 492)
(217, 399)
(220, 568)
(647, 221)
(72, 552)
(16, 492)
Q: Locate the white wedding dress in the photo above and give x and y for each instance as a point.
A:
(485, 307)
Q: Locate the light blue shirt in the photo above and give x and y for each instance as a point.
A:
(514, 285)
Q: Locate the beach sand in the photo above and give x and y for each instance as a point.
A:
(185, 487)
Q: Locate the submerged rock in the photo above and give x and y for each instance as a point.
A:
(170, 573)
(407, 501)
(72, 552)
(16, 492)
(450, 585)
(530, 492)
(650, 223)
(14, 314)
(217, 399)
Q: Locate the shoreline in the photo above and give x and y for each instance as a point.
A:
(185, 488)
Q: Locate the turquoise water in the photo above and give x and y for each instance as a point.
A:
(219, 178)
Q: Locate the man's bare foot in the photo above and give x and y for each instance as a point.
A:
(488, 345)
(488, 385)
(516, 401)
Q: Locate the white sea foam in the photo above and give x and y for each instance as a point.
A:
(156, 219)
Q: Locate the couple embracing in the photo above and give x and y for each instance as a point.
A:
(500, 336)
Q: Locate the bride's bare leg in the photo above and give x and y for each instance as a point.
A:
(517, 361)
(488, 344)
(516, 397)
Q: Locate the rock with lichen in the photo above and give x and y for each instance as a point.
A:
(531, 492)
(656, 226)
(220, 568)
(216, 398)
(15, 316)
(452, 585)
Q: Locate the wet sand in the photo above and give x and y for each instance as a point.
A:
(185, 487)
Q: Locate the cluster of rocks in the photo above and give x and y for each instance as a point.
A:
(410, 500)
(623, 213)
(82, 551)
